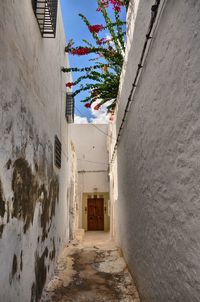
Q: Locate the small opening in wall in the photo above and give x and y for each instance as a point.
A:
(69, 113)
(46, 15)
(57, 152)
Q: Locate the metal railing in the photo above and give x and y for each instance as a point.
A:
(46, 14)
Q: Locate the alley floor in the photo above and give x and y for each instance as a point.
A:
(91, 271)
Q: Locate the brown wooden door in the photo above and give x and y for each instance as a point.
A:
(95, 214)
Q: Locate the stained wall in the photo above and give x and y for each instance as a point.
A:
(33, 191)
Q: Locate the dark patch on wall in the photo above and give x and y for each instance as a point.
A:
(1, 230)
(53, 252)
(48, 205)
(8, 212)
(27, 192)
(8, 127)
(53, 194)
(45, 210)
(36, 167)
(14, 265)
(24, 187)
(33, 292)
(27, 185)
(40, 276)
(21, 261)
(8, 164)
(2, 202)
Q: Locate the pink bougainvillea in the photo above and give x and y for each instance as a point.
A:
(104, 4)
(88, 105)
(100, 78)
(80, 51)
(103, 41)
(95, 28)
(69, 84)
(116, 4)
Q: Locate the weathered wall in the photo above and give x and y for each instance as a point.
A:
(73, 191)
(158, 155)
(33, 192)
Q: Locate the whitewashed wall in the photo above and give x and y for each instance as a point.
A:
(158, 155)
(73, 191)
(33, 192)
(92, 155)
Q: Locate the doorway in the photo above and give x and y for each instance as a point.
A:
(95, 215)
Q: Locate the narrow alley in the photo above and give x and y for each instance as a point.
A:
(91, 270)
(99, 151)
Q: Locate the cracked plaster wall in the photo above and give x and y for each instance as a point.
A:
(159, 154)
(33, 192)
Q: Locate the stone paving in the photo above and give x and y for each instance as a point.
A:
(91, 271)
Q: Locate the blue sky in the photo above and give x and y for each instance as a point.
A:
(77, 30)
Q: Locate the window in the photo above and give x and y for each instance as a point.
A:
(57, 152)
(69, 114)
(46, 14)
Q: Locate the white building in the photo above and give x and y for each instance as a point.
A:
(90, 141)
(156, 163)
(34, 210)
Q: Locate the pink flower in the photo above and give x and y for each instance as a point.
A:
(80, 51)
(103, 4)
(103, 41)
(117, 8)
(87, 105)
(69, 84)
(116, 4)
(95, 28)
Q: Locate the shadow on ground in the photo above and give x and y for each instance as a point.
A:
(92, 270)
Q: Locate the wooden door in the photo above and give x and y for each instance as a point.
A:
(95, 214)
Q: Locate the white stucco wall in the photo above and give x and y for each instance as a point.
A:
(92, 155)
(33, 192)
(73, 191)
(113, 182)
(158, 155)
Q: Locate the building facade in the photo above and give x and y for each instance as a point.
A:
(90, 143)
(157, 157)
(34, 208)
